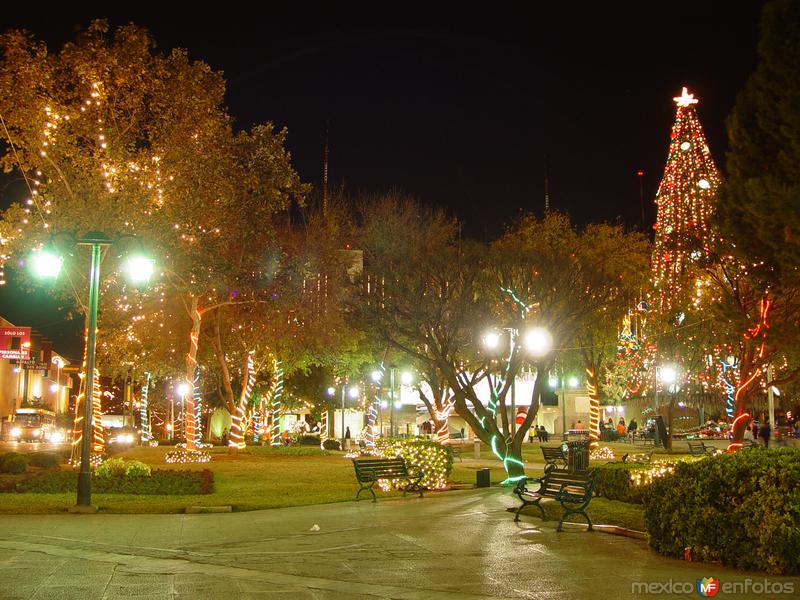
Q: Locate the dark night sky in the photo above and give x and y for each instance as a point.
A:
(460, 109)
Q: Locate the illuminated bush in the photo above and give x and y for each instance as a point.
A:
(431, 458)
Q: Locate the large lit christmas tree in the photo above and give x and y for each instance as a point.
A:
(685, 203)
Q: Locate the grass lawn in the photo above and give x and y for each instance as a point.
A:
(264, 477)
(601, 511)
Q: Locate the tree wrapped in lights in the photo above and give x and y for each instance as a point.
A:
(112, 135)
(685, 201)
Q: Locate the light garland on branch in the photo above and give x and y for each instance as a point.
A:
(432, 459)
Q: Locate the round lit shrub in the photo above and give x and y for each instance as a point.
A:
(135, 468)
(113, 467)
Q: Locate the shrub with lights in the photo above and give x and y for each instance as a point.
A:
(603, 453)
(742, 509)
(434, 460)
(184, 456)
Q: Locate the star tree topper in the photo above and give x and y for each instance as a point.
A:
(685, 99)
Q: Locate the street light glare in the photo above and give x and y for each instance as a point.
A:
(376, 376)
(406, 378)
(46, 264)
(668, 374)
(331, 391)
(553, 382)
(139, 269)
(491, 340)
(573, 382)
(183, 389)
(538, 341)
(354, 392)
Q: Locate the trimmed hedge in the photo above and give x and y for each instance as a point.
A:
(742, 509)
(46, 460)
(160, 482)
(614, 482)
(13, 462)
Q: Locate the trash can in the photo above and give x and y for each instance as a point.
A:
(476, 448)
(578, 455)
(483, 478)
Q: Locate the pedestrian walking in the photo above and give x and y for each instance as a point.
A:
(764, 433)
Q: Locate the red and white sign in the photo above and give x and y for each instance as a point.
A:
(7, 334)
(521, 414)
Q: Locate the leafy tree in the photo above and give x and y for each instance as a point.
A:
(759, 203)
(117, 137)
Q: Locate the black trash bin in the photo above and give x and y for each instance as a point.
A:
(484, 478)
(578, 455)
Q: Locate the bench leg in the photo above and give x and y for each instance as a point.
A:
(524, 504)
(574, 511)
(368, 488)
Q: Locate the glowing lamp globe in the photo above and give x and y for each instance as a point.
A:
(46, 264)
(139, 269)
(183, 389)
(376, 376)
(491, 340)
(354, 392)
(573, 382)
(553, 382)
(668, 374)
(538, 341)
(406, 378)
(331, 391)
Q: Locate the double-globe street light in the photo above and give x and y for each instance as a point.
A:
(353, 392)
(537, 342)
(47, 263)
(406, 378)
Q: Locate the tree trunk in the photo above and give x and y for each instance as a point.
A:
(670, 414)
(216, 344)
(191, 365)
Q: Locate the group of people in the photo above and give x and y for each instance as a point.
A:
(755, 432)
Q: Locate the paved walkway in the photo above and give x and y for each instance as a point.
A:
(453, 545)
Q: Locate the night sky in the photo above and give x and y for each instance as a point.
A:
(463, 110)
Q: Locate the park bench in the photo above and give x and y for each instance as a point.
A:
(697, 448)
(572, 489)
(554, 455)
(370, 470)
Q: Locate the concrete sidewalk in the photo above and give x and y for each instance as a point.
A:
(450, 545)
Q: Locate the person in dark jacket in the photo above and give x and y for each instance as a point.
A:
(764, 433)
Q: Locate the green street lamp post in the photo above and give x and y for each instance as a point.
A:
(48, 264)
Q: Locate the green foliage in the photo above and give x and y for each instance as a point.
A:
(120, 468)
(308, 440)
(614, 482)
(759, 203)
(112, 467)
(45, 460)
(135, 468)
(160, 482)
(741, 509)
(331, 444)
(13, 462)
(431, 458)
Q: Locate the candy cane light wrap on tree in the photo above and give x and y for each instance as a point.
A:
(236, 441)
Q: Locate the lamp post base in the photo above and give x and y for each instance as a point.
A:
(82, 510)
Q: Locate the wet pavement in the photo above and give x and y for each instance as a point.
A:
(449, 545)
